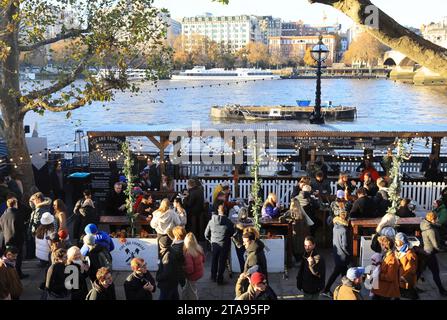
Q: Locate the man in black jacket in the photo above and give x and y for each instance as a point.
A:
(364, 206)
(193, 203)
(103, 288)
(312, 273)
(218, 232)
(98, 256)
(12, 224)
(140, 284)
(170, 271)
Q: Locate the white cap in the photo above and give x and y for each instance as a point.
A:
(46, 219)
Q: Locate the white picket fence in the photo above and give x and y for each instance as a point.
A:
(423, 193)
(193, 169)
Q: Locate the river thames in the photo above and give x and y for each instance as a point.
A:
(381, 105)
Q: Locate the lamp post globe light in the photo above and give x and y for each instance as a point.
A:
(319, 53)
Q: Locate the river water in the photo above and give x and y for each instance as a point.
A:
(381, 105)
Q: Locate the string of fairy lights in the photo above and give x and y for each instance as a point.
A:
(323, 149)
(213, 85)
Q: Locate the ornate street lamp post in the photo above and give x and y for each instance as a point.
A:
(319, 53)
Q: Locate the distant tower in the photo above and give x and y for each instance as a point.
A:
(324, 18)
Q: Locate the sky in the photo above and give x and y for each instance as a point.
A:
(407, 12)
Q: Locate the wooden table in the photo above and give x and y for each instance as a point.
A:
(120, 221)
(357, 224)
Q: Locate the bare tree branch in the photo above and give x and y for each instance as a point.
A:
(61, 36)
(62, 83)
(394, 35)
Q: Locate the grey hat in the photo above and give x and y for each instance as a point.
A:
(388, 232)
(89, 240)
(402, 237)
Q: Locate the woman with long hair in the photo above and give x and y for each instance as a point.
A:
(164, 219)
(43, 242)
(60, 215)
(300, 228)
(271, 209)
(194, 266)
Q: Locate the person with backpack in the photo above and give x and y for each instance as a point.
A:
(98, 256)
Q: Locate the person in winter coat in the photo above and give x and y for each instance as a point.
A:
(300, 228)
(75, 259)
(85, 214)
(321, 186)
(43, 233)
(340, 250)
(344, 184)
(170, 271)
(101, 238)
(408, 266)
(116, 201)
(310, 205)
(341, 203)
(271, 209)
(258, 289)
(432, 245)
(194, 204)
(351, 285)
(370, 185)
(103, 287)
(40, 205)
(194, 266)
(163, 221)
(98, 256)
(404, 210)
(55, 280)
(382, 198)
(389, 272)
(12, 223)
(312, 273)
(140, 285)
(13, 286)
(364, 206)
(255, 259)
(218, 232)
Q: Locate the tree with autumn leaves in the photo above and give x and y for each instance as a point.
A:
(114, 34)
(365, 51)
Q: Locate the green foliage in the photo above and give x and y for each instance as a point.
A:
(256, 188)
(130, 199)
(395, 188)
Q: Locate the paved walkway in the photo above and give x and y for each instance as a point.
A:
(208, 290)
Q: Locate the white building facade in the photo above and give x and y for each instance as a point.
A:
(234, 32)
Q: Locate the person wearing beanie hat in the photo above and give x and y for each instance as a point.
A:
(258, 289)
(340, 194)
(351, 285)
(98, 256)
(341, 203)
(408, 267)
(102, 238)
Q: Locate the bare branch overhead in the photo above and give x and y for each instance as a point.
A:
(61, 36)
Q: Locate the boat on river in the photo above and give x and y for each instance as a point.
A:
(201, 73)
(263, 113)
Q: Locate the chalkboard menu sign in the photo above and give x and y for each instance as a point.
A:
(105, 162)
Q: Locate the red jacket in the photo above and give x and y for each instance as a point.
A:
(374, 174)
(194, 266)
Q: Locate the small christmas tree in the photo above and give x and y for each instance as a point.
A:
(256, 187)
(395, 188)
(130, 199)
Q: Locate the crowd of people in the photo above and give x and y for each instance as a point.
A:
(186, 229)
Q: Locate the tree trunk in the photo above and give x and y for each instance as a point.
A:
(394, 35)
(9, 103)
